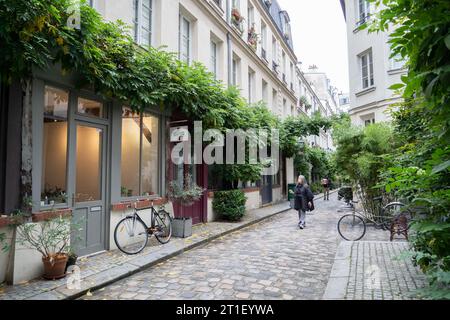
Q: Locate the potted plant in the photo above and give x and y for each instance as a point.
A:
(237, 19)
(253, 37)
(51, 238)
(185, 195)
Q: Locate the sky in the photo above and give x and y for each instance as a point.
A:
(320, 38)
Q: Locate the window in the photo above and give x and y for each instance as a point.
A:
(143, 11)
(285, 111)
(54, 153)
(284, 67)
(274, 50)
(250, 16)
(397, 62)
(292, 76)
(185, 40)
(91, 3)
(235, 4)
(214, 58)
(251, 85)
(274, 101)
(236, 67)
(263, 40)
(265, 92)
(90, 107)
(368, 122)
(140, 154)
(367, 69)
(364, 11)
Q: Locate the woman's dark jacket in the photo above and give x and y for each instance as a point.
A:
(302, 196)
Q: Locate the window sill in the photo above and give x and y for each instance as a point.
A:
(141, 204)
(365, 91)
(397, 71)
(51, 214)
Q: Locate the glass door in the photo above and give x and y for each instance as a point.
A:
(89, 187)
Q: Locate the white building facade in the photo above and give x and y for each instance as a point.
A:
(371, 69)
(92, 158)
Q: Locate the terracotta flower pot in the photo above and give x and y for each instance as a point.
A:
(54, 267)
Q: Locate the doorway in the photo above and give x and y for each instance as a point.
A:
(88, 143)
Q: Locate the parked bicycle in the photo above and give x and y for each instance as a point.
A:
(394, 217)
(132, 233)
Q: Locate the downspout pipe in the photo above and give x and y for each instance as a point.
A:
(229, 45)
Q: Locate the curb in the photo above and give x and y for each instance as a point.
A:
(340, 273)
(105, 278)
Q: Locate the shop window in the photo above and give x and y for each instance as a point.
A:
(90, 108)
(54, 161)
(140, 154)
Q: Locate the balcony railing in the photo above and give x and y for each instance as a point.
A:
(275, 67)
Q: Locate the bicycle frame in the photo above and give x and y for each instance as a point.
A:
(154, 214)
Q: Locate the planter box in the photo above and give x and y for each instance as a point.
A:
(4, 221)
(182, 227)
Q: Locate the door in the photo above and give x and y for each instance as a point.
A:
(198, 173)
(89, 143)
(266, 190)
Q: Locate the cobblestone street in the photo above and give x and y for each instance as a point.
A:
(270, 260)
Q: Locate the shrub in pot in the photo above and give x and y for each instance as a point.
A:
(230, 205)
(185, 195)
(51, 238)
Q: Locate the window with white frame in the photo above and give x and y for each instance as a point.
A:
(284, 66)
(363, 11)
(213, 66)
(251, 85)
(265, 91)
(236, 70)
(263, 40)
(274, 101)
(397, 62)
(274, 50)
(235, 4)
(366, 63)
(143, 11)
(185, 39)
(250, 16)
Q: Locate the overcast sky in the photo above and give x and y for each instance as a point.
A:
(319, 35)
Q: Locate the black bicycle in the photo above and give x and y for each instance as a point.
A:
(352, 227)
(132, 233)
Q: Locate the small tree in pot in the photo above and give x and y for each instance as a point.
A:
(186, 195)
(52, 239)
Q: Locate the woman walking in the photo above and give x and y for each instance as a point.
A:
(303, 200)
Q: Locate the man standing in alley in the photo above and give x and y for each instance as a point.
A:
(326, 188)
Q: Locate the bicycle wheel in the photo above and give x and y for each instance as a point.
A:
(352, 227)
(131, 235)
(163, 226)
(393, 211)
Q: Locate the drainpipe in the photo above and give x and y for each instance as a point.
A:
(229, 45)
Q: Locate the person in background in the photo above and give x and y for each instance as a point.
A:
(326, 188)
(303, 200)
